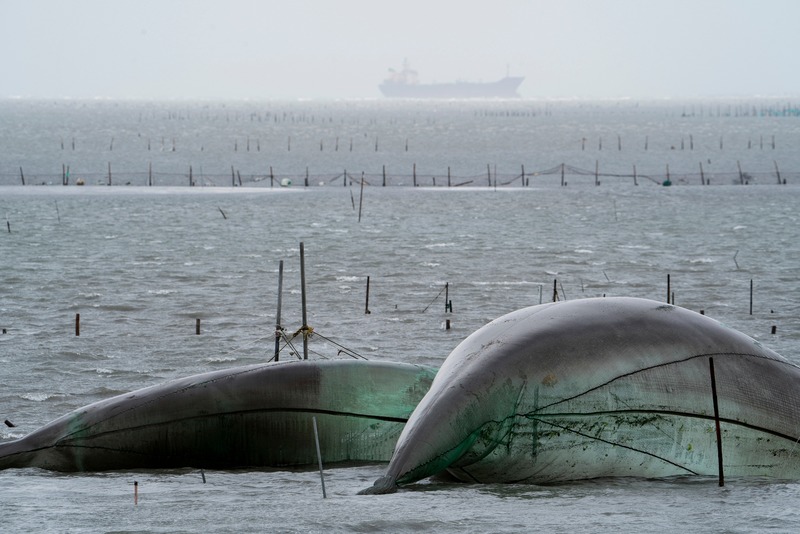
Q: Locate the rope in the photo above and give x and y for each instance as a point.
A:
(434, 299)
(343, 349)
(309, 331)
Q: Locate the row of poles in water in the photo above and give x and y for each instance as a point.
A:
(491, 176)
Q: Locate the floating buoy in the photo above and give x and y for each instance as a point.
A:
(286, 182)
(666, 183)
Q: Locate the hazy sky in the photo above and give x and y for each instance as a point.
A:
(344, 48)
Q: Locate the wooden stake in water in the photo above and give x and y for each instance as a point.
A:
(596, 172)
(278, 315)
(361, 197)
(366, 305)
(319, 457)
(135, 492)
(668, 289)
(77, 324)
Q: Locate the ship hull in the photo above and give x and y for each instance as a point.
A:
(504, 88)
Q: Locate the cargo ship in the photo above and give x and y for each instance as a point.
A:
(405, 84)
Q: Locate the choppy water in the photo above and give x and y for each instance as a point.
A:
(141, 264)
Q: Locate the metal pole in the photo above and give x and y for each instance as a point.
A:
(278, 315)
(303, 296)
(319, 457)
(716, 420)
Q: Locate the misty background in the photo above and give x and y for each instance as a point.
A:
(265, 49)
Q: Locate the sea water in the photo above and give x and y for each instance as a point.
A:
(142, 264)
